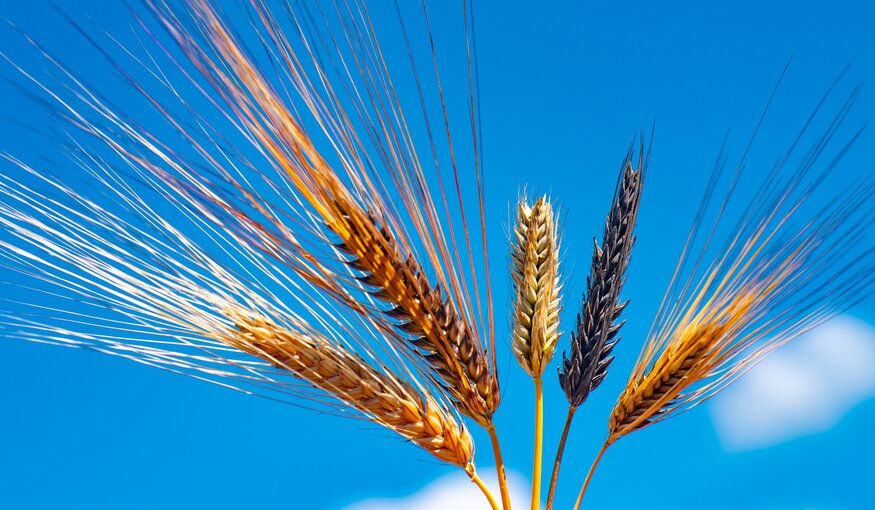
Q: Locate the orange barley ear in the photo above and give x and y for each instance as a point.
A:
(696, 350)
(377, 394)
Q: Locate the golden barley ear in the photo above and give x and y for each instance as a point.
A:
(791, 261)
(598, 322)
(536, 285)
(694, 353)
(430, 323)
(378, 394)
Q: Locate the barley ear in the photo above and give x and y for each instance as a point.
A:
(430, 323)
(379, 395)
(536, 285)
(597, 323)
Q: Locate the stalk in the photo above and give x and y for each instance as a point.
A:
(595, 463)
(554, 478)
(486, 492)
(499, 467)
(539, 443)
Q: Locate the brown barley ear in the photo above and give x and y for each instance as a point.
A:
(536, 285)
(421, 319)
(597, 323)
(377, 394)
(430, 323)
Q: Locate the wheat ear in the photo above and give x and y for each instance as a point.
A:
(597, 323)
(378, 394)
(536, 288)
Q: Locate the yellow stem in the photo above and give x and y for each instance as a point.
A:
(499, 467)
(486, 492)
(589, 475)
(539, 443)
(554, 479)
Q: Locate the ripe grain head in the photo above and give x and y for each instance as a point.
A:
(536, 285)
(598, 322)
(692, 354)
(785, 267)
(378, 394)
(429, 324)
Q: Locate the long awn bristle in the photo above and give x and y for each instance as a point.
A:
(776, 274)
(429, 321)
(316, 186)
(764, 289)
(265, 219)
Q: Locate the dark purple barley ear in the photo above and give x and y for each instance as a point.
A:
(595, 334)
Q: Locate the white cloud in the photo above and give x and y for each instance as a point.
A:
(452, 492)
(804, 388)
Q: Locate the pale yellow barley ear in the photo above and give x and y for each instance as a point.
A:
(536, 285)
(536, 306)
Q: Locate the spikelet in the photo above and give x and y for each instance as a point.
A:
(597, 323)
(536, 285)
(378, 395)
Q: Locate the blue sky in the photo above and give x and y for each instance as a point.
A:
(564, 88)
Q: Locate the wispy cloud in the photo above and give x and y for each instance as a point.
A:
(451, 492)
(804, 388)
